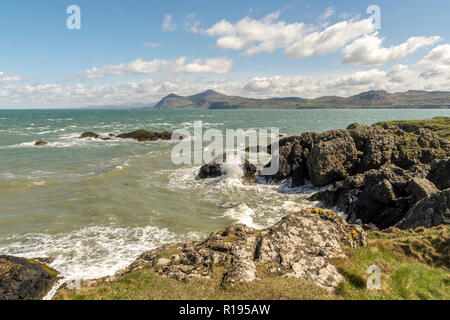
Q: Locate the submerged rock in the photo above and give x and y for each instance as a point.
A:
(144, 135)
(300, 246)
(24, 279)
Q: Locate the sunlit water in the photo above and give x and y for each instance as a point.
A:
(94, 206)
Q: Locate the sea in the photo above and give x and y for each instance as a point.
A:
(94, 206)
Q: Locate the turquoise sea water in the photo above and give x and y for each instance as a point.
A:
(94, 205)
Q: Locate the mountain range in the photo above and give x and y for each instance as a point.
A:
(211, 99)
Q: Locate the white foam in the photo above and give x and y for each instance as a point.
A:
(242, 214)
(91, 252)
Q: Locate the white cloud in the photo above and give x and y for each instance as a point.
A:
(213, 65)
(329, 40)
(368, 50)
(136, 67)
(437, 62)
(151, 44)
(398, 78)
(7, 78)
(299, 41)
(142, 67)
(168, 23)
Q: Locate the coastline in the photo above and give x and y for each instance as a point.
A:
(420, 170)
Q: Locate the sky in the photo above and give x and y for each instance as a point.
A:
(132, 52)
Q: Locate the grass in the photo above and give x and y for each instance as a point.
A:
(440, 125)
(412, 265)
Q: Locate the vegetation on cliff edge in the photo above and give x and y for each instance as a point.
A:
(414, 265)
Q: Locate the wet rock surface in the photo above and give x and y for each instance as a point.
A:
(219, 167)
(301, 245)
(24, 279)
(144, 135)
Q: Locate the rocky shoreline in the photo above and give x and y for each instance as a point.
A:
(383, 177)
(380, 175)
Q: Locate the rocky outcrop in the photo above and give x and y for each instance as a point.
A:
(324, 158)
(430, 211)
(379, 172)
(301, 245)
(144, 135)
(24, 279)
(219, 167)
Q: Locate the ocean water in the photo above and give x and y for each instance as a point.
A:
(94, 206)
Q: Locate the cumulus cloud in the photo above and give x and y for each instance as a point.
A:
(368, 50)
(6, 78)
(298, 40)
(142, 67)
(398, 78)
(168, 23)
(437, 62)
(213, 65)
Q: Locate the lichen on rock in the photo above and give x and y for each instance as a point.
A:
(301, 245)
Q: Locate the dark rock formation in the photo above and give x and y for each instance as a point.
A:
(324, 158)
(144, 135)
(440, 173)
(216, 168)
(89, 135)
(40, 143)
(24, 279)
(379, 172)
(300, 246)
(431, 211)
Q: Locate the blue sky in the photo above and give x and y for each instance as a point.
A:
(139, 51)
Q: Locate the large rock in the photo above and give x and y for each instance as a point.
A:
(420, 188)
(381, 197)
(22, 278)
(440, 173)
(430, 211)
(333, 158)
(300, 246)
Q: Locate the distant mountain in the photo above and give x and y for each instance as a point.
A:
(211, 99)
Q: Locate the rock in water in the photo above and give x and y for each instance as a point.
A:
(300, 246)
(217, 168)
(89, 135)
(144, 135)
(24, 279)
(40, 143)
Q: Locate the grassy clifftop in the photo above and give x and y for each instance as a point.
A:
(414, 264)
(440, 125)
